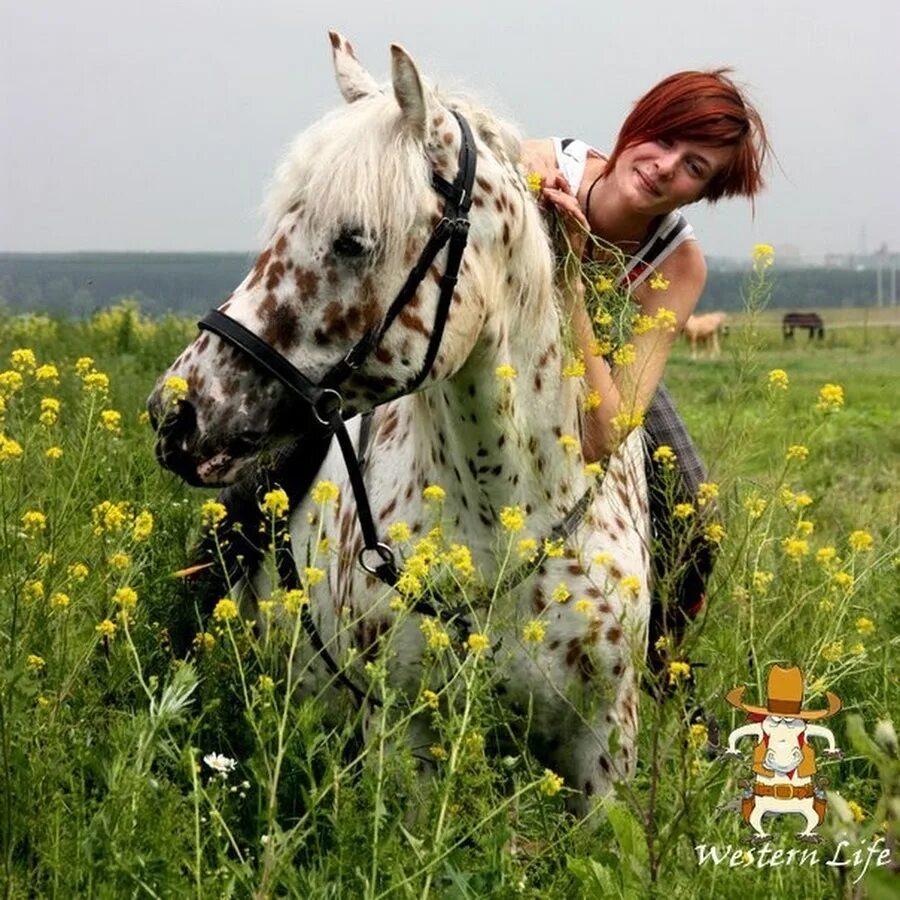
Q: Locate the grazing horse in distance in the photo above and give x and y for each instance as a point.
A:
(809, 320)
(465, 382)
(704, 331)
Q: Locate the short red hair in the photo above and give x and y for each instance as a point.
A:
(706, 107)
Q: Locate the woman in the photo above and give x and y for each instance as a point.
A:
(692, 137)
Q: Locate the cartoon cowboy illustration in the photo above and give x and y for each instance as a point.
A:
(784, 763)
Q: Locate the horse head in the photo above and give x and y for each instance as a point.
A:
(351, 212)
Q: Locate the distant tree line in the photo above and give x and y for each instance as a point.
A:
(78, 284)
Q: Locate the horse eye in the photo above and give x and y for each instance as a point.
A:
(351, 244)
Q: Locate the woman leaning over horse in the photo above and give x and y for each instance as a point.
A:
(692, 137)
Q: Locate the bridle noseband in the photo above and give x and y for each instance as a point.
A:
(324, 397)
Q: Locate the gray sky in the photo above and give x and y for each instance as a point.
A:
(154, 126)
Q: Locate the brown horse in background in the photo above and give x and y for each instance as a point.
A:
(704, 331)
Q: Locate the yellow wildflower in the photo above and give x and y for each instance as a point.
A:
(47, 372)
(435, 636)
(77, 571)
(755, 506)
(313, 575)
(399, 533)
(826, 556)
(569, 443)
(111, 420)
(665, 454)
(763, 255)
(49, 411)
(437, 751)
(33, 589)
(631, 584)
(666, 319)
(831, 398)
(599, 347)
(477, 643)
(602, 559)
(843, 580)
(35, 663)
(551, 784)
(203, 640)
(833, 651)
(826, 605)
(325, 492)
(678, 671)
(584, 606)
(624, 355)
(856, 810)
(857, 649)
(804, 528)
(142, 527)
(275, 503)
(592, 400)
(225, 610)
(84, 364)
(707, 490)
(561, 593)
(864, 625)
(430, 698)
(96, 382)
(110, 517)
(534, 182)
(34, 523)
(698, 735)
(797, 451)
(602, 285)
(795, 548)
(761, 581)
(106, 629)
(778, 379)
(54, 453)
(683, 510)
(23, 360)
(265, 683)
(435, 493)
(512, 518)
(409, 585)
(9, 449)
(211, 513)
(59, 600)
(534, 631)
(120, 561)
(553, 549)
(527, 548)
(641, 324)
(294, 600)
(175, 388)
(575, 368)
(460, 558)
(126, 597)
(505, 372)
(659, 282)
(594, 470)
(860, 541)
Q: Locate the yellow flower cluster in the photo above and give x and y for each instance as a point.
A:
(34, 523)
(575, 368)
(706, 491)
(763, 255)
(9, 449)
(624, 355)
(275, 503)
(505, 372)
(106, 629)
(125, 597)
(142, 527)
(111, 420)
(225, 610)
(592, 400)
(211, 513)
(325, 492)
(175, 388)
(778, 379)
(755, 506)
(109, 517)
(860, 541)
(795, 548)
(569, 443)
(527, 549)
(714, 533)
(534, 182)
(831, 398)
(459, 557)
(678, 671)
(294, 600)
(534, 631)
(434, 493)
(683, 510)
(551, 784)
(477, 643)
(49, 411)
(798, 452)
(561, 593)
(665, 455)
(659, 282)
(435, 637)
(512, 518)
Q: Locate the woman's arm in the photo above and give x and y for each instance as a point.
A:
(629, 389)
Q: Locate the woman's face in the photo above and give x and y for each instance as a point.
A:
(658, 176)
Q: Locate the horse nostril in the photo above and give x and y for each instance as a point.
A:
(179, 421)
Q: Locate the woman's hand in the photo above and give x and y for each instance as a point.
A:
(572, 217)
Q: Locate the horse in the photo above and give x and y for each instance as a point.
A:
(704, 330)
(441, 384)
(809, 320)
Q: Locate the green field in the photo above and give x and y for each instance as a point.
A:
(113, 687)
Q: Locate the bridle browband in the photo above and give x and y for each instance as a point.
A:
(324, 396)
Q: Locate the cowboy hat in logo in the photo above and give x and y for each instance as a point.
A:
(783, 762)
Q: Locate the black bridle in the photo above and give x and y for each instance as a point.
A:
(324, 396)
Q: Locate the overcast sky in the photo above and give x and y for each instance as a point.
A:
(154, 125)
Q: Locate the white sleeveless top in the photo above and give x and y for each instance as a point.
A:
(672, 231)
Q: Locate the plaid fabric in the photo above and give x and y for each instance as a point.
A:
(663, 425)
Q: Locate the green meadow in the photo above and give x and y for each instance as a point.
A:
(116, 689)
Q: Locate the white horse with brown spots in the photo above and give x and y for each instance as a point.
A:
(351, 208)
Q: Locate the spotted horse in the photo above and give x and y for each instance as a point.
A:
(352, 308)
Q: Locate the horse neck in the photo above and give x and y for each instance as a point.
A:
(495, 441)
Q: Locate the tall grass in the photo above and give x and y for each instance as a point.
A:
(115, 691)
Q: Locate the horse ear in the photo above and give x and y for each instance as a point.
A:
(408, 90)
(354, 82)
